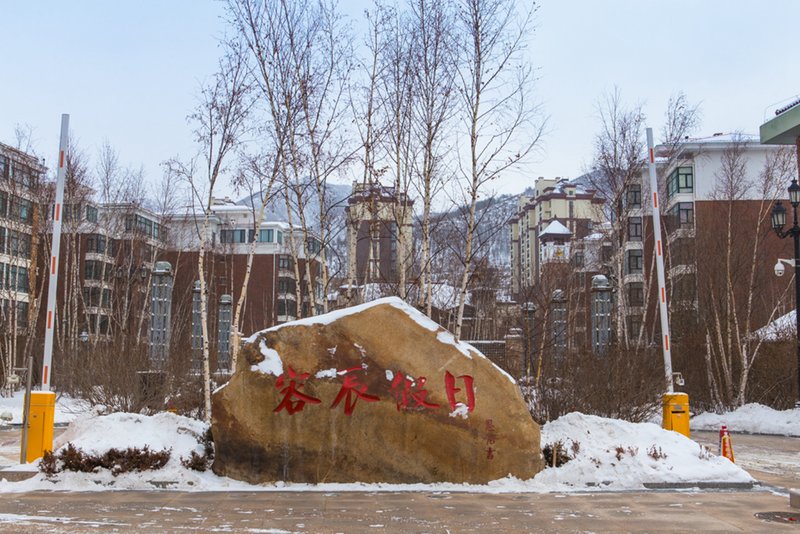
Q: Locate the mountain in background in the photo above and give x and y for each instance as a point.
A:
(493, 214)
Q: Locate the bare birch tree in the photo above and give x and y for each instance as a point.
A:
(494, 84)
(736, 291)
(220, 123)
(434, 67)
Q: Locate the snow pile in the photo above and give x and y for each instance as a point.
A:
(647, 454)
(620, 455)
(67, 408)
(752, 418)
(96, 435)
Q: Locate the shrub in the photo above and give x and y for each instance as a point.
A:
(555, 455)
(71, 458)
(195, 462)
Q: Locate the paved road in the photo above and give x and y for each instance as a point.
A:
(389, 512)
(261, 512)
(773, 460)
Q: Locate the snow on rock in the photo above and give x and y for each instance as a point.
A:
(621, 455)
(271, 364)
(67, 408)
(420, 318)
(326, 373)
(752, 418)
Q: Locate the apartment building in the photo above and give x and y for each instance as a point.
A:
(712, 181)
(379, 234)
(546, 225)
(274, 284)
(20, 176)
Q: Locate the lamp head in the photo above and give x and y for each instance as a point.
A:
(794, 193)
(779, 216)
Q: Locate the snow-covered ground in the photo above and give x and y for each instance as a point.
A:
(609, 454)
(67, 408)
(752, 418)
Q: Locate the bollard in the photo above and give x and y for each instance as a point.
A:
(725, 444)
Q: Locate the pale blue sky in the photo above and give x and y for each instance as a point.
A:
(129, 71)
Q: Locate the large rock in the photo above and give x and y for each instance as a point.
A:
(374, 393)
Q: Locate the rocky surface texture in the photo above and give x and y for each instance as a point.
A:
(374, 393)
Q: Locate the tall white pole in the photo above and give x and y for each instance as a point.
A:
(58, 209)
(659, 251)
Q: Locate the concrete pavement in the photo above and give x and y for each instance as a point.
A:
(390, 512)
(771, 459)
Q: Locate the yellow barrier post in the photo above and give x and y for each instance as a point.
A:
(40, 424)
(675, 412)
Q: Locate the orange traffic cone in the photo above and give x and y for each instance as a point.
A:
(725, 445)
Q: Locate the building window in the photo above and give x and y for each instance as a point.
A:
(98, 324)
(232, 236)
(283, 261)
(21, 209)
(633, 196)
(685, 289)
(280, 237)
(634, 264)
(265, 236)
(682, 215)
(578, 258)
(91, 214)
(634, 324)
(3, 204)
(97, 270)
(286, 285)
(636, 294)
(681, 180)
(197, 329)
(96, 243)
(634, 228)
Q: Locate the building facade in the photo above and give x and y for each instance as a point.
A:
(21, 176)
(379, 234)
(571, 203)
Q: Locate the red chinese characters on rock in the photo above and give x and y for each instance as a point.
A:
(351, 391)
(451, 389)
(409, 392)
(293, 400)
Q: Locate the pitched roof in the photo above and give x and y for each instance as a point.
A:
(555, 228)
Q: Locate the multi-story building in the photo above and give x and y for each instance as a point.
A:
(275, 282)
(379, 234)
(710, 182)
(20, 177)
(576, 209)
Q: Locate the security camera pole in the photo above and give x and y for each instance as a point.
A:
(784, 129)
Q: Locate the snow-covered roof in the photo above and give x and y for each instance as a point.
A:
(725, 138)
(782, 328)
(555, 228)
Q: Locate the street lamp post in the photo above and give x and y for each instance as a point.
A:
(778, 223)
